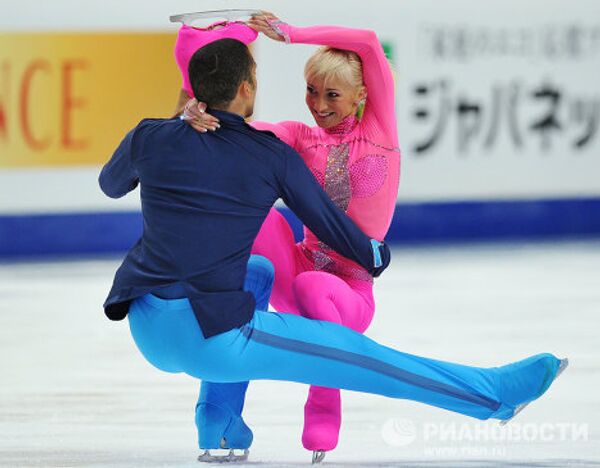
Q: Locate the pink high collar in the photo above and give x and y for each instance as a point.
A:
(344, 127)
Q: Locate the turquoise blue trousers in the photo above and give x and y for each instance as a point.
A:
(274, 346)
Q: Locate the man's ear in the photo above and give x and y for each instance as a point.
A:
(245, 89)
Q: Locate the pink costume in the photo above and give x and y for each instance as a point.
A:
(358, 165)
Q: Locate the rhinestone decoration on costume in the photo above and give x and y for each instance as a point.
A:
(323, 262)
(320, 258)
(337, 177)
(363, 179)
(337, 185)
(367, 175)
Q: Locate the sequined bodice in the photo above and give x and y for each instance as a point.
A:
(353, 171)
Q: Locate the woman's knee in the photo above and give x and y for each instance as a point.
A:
(314, 298)
(323, 296)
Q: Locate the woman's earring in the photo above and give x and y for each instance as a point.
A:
(361, 108)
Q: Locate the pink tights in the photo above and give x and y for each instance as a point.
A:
(318, 295)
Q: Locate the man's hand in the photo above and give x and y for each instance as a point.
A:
(194, 113)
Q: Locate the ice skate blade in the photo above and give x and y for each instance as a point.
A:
(561, 367)
(318, 456)
(226, 14)
(230, 457)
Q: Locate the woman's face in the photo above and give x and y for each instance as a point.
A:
(331, 101)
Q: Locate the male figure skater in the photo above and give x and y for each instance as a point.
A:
(204, 197)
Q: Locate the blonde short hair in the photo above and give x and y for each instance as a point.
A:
(327, 63)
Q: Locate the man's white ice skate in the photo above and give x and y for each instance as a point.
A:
(318, 456)
(561, 367)
(231, 455)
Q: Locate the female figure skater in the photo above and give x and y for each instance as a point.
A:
(357, 162)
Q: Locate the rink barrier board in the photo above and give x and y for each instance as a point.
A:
(73, 234)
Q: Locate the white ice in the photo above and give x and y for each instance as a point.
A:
(76, 392)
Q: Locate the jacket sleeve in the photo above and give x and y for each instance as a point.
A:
(119, 176)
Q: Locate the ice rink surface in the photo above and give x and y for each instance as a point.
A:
(76, 392)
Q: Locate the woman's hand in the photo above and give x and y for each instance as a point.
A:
(266, 23)
(194, 113)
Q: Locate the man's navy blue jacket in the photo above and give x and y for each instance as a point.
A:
(204, 198)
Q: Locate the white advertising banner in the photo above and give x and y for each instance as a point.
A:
(504, 104)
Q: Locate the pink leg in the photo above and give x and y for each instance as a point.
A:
(316, 295)
(275, 241)
(322, 296)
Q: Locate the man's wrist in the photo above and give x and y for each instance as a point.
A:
(377, 262)
(381, 257)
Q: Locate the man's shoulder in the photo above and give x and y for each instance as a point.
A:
(267, 134)
(154, 123)
(157, 128)
(276, 144)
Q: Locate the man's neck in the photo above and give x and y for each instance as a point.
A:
(235, 108)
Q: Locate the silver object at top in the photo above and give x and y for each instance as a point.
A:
(229, 15)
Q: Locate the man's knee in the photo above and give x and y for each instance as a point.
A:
(261, 265)
(260, 275)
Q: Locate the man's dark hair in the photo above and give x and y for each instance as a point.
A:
(217, 70)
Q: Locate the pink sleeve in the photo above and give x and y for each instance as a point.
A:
(190, 39)
(377, 75)
(287, 131)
